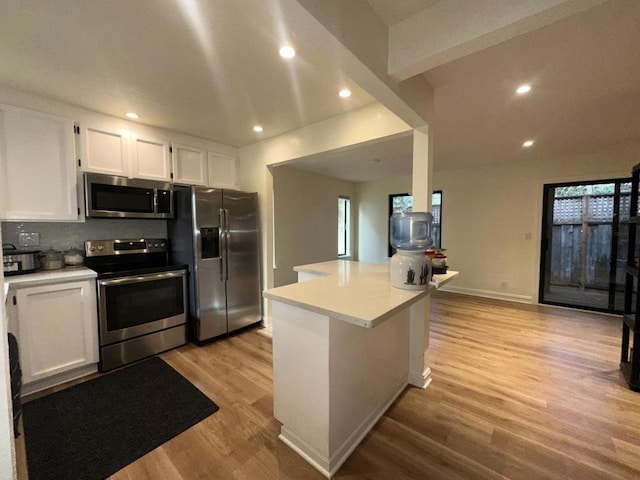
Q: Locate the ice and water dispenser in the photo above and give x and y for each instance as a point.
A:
(210, 242)
(410, 234)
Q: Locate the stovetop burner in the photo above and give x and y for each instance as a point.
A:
(119, 258)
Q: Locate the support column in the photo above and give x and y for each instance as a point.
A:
(422, 187)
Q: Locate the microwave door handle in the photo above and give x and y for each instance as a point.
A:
(155, 200)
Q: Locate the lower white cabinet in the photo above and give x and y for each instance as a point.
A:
(57, 328)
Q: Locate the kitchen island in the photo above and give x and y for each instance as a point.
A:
(345, 345)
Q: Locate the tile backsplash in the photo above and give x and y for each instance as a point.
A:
(61, 236)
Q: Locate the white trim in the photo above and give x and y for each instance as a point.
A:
(512, 297)
(472, 292)
(329, 467)
(421, 381)
(58, 379)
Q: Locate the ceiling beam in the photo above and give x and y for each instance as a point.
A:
(450, 30)
(352, 36)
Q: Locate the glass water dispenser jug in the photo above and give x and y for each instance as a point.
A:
(410, 235)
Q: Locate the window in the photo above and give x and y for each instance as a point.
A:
(344, 221)
(400, 202)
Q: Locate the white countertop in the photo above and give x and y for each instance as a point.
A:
(42, 277)
(356, 292)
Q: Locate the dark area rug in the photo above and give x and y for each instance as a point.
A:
(92, 430)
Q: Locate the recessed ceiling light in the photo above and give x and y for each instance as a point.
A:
(258, 128)
(132, 115)
(527, 144)
(345, 93)
(522, 89)
(287, 52)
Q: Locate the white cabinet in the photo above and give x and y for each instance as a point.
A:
(222, 171)
(57, 328)
(37, 160)
(104, 149)
(189, 165)
(112, 151)
(150, 158)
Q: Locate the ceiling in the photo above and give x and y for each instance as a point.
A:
(212, 69)
(585, 78)
(207, 68)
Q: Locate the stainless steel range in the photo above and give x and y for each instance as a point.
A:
(142, 299)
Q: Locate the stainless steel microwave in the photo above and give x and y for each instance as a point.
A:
(120, 197)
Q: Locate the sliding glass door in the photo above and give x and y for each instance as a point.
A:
(584, 238)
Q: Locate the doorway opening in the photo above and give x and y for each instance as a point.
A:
(584, 244)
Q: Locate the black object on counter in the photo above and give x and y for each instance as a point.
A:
(16, 382)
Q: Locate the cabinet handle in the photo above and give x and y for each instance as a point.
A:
(15, 302)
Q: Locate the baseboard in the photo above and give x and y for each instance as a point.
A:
(329, 466)
(349, 445)
(54, 380)
(422, 380)
(302, 448)
(512, 297)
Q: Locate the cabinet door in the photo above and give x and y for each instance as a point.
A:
(104, 149)
(37, 156)
(222, 171)
(150, 158)
(189, 165)
(58, 328)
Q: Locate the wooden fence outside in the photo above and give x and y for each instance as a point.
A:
(581, 241)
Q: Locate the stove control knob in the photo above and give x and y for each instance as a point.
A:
(162, 244)
(100, 247)
(92, 249)
(155, 245)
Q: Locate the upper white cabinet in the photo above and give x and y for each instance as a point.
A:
(107, 150)
(222, 171)
(150, 158)
(37, 165)
(189, 165)
(104, 149)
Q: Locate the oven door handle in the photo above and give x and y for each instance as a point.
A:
(149, 277)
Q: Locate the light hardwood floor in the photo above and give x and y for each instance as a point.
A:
(518, 391)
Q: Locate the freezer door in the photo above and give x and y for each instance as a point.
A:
(211, 317)
(243, 259)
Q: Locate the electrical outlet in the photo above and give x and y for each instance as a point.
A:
(28, 239)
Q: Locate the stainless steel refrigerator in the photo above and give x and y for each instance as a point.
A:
(215, 232)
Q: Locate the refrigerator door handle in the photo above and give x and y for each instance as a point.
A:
(226, 243)
(223, 245)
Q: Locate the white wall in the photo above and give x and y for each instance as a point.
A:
(492, 215)
(7, 452)
(306, 219)
(373, 216)
(358, 126)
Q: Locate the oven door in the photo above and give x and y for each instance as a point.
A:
(139, 304)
